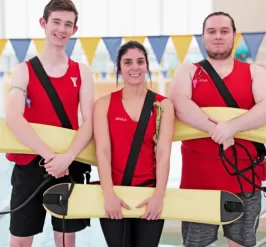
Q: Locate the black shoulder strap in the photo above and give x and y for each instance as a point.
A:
(138, 138)
(227, 96)
(51, 92)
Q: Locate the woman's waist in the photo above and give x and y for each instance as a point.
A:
(140, 169)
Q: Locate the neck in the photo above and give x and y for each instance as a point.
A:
(134, 91)
(225, 62)
(54, 55)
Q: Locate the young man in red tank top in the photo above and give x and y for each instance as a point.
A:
(28, 102)
(202, 167)
(116, 118)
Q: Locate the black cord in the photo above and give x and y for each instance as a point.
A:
(46, 181)
(47, 178)
(63, 202)
(240, 173)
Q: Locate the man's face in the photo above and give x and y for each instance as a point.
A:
(218, 37)
(60, 27)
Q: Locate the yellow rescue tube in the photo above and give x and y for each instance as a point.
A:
(203, 206)
(60, 139)
(186, 132)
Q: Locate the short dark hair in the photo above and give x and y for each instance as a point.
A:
(217, 14)
(123, 50)
(60, 5)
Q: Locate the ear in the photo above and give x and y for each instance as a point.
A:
(75, 29)
(202, 39)
(42, 22)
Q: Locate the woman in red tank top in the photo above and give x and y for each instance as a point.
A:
(116, 117)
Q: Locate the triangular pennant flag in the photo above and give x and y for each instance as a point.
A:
(1, 74)
(165, 72)
(182, 44)
(156, 73)
(112, 75)
(172, 72)
(158, 44)
(89, 46)
(139, 39)
(2, 45)
(112, 44)
(237, 39)
(20, 47)
(253, 42)
(39, 44)
(97, 75)
(104, 74)
(200, 44)
(70, 46)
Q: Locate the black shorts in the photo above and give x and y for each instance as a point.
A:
(30, 220)
(242, 231)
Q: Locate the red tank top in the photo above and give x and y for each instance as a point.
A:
(41, 109)
(122, 129)
(201, 165)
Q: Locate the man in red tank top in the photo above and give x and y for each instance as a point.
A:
(202, 167)
(27, 103)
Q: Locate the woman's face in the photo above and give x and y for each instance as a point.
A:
(133, 67)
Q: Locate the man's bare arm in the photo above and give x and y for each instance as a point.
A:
(256, 116)
(15, 108)
(181, 93)
(85, 132)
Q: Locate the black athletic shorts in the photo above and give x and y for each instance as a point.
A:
(30, 220)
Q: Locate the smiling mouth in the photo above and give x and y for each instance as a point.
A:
(59, 36)
(134, 75)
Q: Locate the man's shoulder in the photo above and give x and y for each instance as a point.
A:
(20, 71)
(185, 70)
(84, 68)
(188, 66)
(21, 67)
(257, 70)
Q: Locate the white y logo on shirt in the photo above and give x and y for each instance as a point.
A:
(74, 80)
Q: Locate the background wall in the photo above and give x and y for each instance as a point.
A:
(249, 16)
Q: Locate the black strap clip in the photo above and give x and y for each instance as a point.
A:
(233, 206)
(57, 199)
